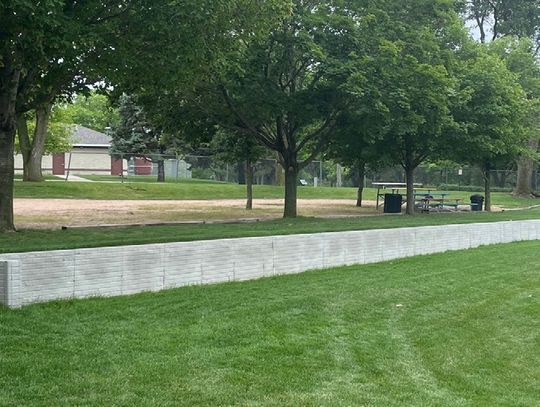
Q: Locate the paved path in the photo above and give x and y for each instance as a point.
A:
(73, 178)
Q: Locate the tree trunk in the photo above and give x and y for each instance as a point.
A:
(161, 171)
(32, 165)
(525, 172)
(291, 183)
(487, 188)
(249, 184)
(9, 82)
(24, 142)
(409, 176)
(361, 172)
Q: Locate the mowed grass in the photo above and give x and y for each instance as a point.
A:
(210, 190)
(181, 191)
(38, 240)
(454, 329)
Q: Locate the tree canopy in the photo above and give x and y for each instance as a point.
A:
(298, 77)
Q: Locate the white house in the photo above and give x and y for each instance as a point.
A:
(89, 155)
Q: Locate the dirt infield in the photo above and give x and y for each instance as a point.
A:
(53, 213)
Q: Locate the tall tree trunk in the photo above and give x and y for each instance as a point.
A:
(9, 82)
(24, 142)
(409, 177)
(291, 185)
(409, 166)
(249, 184)
(33, 163)
(360, 174)
(525, 172)
(161, 171)
(487, 187)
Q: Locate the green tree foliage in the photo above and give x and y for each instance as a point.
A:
(93, 111)
(26, 34)
(281, 85)
(86, 41)
(408, 81)
(46, 48)
(136, 137)
(59, 132)
(518, 54)
(236, 148)
(496, 18)
(501, 18)
(357, 142)
(491, 113)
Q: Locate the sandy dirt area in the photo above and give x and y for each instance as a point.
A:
(53, 213)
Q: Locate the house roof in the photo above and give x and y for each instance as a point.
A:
(85, 137)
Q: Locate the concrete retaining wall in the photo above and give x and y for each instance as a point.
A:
(27, 278)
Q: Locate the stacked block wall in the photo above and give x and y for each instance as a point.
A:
(27, 278)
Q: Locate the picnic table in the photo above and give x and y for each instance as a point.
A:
(386, 187)
(435, 200)
(424, 198)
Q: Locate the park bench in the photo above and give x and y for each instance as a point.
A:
(435, 200)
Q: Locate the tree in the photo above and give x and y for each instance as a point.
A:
(85, 42)
(499, 18)
(277, 82)
(27, 30)
(136, 137)
(42, 47)
(357, 141)
(282, 87)
(93, 111)
(490, 111)
(233, 148)
(519, 58)
(59, 132)
(411, 73)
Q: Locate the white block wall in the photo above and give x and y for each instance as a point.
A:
(27, 278)
(3, 282)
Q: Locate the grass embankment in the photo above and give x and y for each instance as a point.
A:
(181, 191)
(454, 329)
(206, 190)
(37, 240)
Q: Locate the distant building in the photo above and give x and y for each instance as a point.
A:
(89, 155)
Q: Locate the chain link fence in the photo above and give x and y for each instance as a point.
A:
(453, 178)
(176, 168)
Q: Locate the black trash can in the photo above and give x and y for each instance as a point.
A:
(392, 203)
(477, 203)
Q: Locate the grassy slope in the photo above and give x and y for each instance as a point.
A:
(183, 190)
(197, 189)
(35, 240)
(466, 334)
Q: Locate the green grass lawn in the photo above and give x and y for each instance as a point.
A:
(19, 177)
(36, 240)
(183, 190)
(202, 189)
(454, 329)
